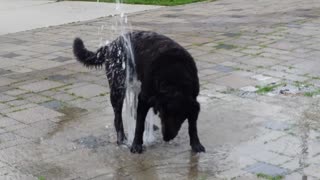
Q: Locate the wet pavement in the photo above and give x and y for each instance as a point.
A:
(258, 64)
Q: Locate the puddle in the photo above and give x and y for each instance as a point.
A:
(72, 114)
(55, 105)
(92, 142)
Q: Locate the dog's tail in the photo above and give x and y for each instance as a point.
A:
(86, 57)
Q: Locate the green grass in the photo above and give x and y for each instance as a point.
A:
(41, 178)
(312, 93)
(266, 89)
(265, 176)
(300, 84)
(151, 2)
(225, 46)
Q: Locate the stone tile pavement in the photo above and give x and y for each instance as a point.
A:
(260, 88)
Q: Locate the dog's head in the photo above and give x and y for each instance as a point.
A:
(174, 108)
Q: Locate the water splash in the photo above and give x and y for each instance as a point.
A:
(120, 27)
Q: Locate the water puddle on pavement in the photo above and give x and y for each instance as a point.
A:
(71, 114)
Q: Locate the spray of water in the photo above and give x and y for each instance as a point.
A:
(121, 27)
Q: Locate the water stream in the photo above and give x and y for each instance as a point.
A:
(121, 27)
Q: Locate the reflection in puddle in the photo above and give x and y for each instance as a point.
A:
(71, 114)
(308, 122)
(304, 127)
(193, 166)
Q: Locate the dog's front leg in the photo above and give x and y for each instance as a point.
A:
(142, 111)
(193, 134)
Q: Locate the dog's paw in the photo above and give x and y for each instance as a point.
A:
(136, 148)
(197, 148)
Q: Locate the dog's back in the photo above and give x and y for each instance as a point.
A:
(155, 52)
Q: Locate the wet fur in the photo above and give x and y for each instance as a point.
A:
(169, 83)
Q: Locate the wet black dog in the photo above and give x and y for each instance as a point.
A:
(169, 83)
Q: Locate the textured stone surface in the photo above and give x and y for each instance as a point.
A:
(41, 86)
(267, 169)
(34, 114)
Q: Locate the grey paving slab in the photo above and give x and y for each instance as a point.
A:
(41, 86)
(266, 169)
(88, 91)
(34, 114)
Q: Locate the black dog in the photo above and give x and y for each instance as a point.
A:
(169, 83)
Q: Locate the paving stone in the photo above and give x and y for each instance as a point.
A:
(5, 98)
(42, 64)
(6, 81)
(270, 157)
(4, 106)
(2, 131)
(55, 105)
(31, 115)
(261, 61)
(10, 55)
(58, 77)
(261, 77)
(88, 91)
(38, 129)
(4, 71)
(16, 92)
(288, 145)
(234, 81)
(9, 140)
(267, 169)
(277, 125)
(249, 89)
(296, 176)
(41, 86)
(64, 97)
(224, 69)
(313, 170)
(16, 103)
(61, 59)
(292, 165)
(4, 122)
(17, 108)
(18, 69)
(34, 98)
(15, 127)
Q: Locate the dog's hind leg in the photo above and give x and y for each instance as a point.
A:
(117, 97)
(143, 108)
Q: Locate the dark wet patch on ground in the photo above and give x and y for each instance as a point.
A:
(71, 114)
(58, 77)
(55, 172)
(55, 105)
(92, 142)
